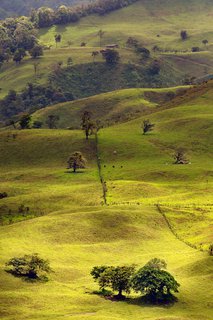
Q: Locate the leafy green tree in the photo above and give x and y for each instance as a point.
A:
(76, 161)
(147, 126)
(87, 124)
(184, 35)
(29, 266)
(154, 283)
(117, 278)
(24, 121)
(58, 38)
(156, 264)
(111, 56)
(52, 121)
(45, 17)
(36, 51)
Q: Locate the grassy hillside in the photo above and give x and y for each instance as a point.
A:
(75, 241)
(109, 108)
(143, 20)
(33, 173)
(75, 231)
(153, 208)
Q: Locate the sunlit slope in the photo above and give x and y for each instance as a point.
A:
(151, 22)
(147, 160)
(110, 108)
(144, 20)
(33, 172)
(75, 241)
(140, 168)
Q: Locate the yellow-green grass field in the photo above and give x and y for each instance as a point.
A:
(33, 172)
(74, 230)
(77, 240)
(143, 20)
(109, 108)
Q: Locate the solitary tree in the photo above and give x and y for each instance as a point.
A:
(87, 125)
(156, 263)
(76, 161)
(183, 35)
(180, 157)
(111, 56)
(147, 126)
(58, 38)
(154, 283)
(52, 121)
(24, 121)
(29, 266)
(117, 278)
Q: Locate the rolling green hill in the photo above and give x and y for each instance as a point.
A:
(152, 23)
(131, 203)
(75, 231)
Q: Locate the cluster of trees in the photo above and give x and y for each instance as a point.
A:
(29, 267)
(151, 280)
(32, 98)
(154, 66)
(23, 7)
(17, 37)
(46, 17)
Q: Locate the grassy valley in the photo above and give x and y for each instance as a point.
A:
(130, 203)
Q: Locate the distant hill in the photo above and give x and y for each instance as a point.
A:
(23, 7)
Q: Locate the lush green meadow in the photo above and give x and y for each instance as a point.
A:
(77, 240)
(153, 207)
(74, 230)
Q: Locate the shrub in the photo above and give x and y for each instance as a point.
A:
(29, 267)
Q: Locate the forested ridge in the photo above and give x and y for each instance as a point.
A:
(23, 7)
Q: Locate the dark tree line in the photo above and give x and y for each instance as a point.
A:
(46, 17)
(32, 98)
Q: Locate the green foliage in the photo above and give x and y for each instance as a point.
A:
(32, 98)
(117, 278)
(156, 264)
(111, 56)
(24, 121)
(155, 283)
(184, 35)
(36, 51)
(29, 266)
(87, 124)
(52, 121)
(147, 126)
(76, 161)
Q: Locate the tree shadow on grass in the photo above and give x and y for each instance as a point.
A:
(166, 301)
(27, 278)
